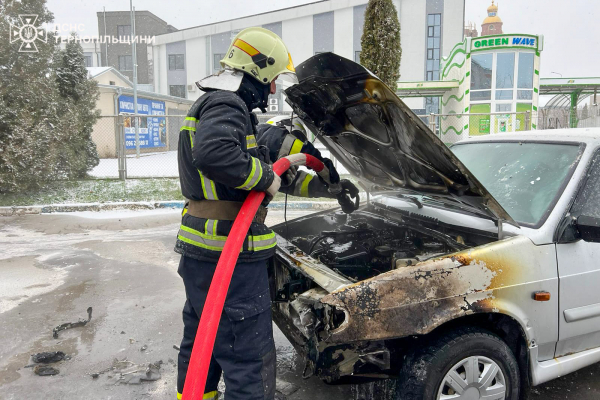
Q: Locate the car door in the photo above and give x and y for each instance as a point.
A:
(579, 271)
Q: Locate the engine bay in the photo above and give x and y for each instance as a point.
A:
(321, 253)
(365, 244)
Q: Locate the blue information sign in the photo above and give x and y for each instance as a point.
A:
(152, 131)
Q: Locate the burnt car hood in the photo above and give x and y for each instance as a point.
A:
(378, 138)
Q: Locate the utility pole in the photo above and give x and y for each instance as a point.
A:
(105, 42)
(134, 62)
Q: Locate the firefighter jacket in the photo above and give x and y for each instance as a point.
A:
(219, 159)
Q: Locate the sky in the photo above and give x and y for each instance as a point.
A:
(570, 28)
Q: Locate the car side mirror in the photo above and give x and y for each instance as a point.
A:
(589, 228)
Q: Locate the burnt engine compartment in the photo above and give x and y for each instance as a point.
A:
(366, 243)
(363, 244)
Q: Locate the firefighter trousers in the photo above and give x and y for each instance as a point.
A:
(244, 348)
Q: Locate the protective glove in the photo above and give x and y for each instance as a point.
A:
(274, 188)
(289, 176)
(344, 198)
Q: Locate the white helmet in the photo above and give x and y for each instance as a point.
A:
(286, 122)
(260, 53)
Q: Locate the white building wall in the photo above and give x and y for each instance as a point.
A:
(413, 17)
(161, 66)
(452, 32)
(195, 64)
(343, 29)
(297, 34)
(298, 37)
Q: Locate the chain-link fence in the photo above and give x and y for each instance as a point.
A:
(563, 117)
(148, 150)
(152, 152)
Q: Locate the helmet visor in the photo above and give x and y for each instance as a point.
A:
(286, 79)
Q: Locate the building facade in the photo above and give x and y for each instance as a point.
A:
(495, 75)
(158, 124)
(429, 29)
(117, 25)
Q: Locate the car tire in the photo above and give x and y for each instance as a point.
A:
(432, 372)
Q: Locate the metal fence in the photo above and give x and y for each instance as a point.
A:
(564, 117)
(152, 155)
(158, 137)
(454, 127)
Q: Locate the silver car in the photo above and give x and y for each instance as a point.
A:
(470, 272)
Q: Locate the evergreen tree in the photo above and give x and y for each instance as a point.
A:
(380, 42)
(79, 95)
(28, 100)
(585, 112)
(44, 125)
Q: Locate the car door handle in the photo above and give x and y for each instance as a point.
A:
(581, 313)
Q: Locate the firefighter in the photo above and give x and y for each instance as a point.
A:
(220, 162)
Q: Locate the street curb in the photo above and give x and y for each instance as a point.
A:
(52, 208)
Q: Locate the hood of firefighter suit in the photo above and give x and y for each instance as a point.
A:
(252, 92)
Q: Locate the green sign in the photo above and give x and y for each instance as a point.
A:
(487, 42)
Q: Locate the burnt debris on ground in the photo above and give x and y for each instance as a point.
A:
(45, 370)
(125, 371)
(48, 357)
(69, 325)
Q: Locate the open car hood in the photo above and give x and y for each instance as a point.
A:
(378, 138)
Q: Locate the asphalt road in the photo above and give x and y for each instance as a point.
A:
(53, 267)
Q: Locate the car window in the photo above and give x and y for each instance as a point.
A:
(524, 177)
(587, 201)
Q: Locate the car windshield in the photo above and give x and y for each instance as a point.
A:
(525, 178)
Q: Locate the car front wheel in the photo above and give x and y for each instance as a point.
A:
(466, 364)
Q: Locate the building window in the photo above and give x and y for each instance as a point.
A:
(525, 80)
(357, 57)
(123, 31)
(125, 63)
(177, 90)
(432, 69)
(491, 27)
(433, 46)
(505, 70)
(217, 57)
(88, 61)
(481, 76)
(176, 62)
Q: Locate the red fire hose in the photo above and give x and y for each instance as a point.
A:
(215, 300)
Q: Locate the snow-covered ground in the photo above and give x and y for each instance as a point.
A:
(150, 165)
(119, 214)
(155, 165)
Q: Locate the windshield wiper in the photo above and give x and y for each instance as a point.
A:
(457, 205)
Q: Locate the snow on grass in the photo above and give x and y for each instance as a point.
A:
(98, 191)
(120, 214)
(150, 165)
